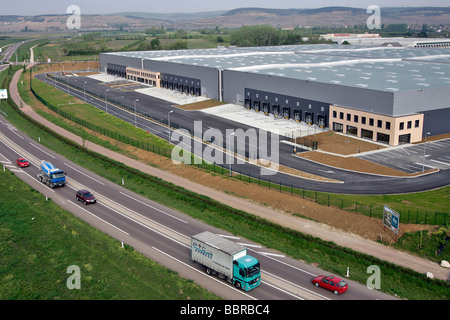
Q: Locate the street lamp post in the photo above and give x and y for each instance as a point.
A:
(424, 151)
(232, 154)
(84, 89)
(135, 120)
(106, 101)
(168, 117)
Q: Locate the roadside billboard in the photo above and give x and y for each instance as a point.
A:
(391, 219)
(3, 93)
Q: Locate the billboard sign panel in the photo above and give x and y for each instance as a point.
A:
(3, 93)
(391, 219)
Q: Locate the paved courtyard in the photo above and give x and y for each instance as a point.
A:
(410, 158)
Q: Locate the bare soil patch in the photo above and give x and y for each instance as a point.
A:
(68, 66)
(201, 105)
(337, 143)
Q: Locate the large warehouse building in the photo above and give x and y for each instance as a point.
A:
(388, 94)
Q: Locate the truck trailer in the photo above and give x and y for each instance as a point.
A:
(50, 175)
(226, 259)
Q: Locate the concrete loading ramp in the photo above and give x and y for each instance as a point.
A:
(281, 126)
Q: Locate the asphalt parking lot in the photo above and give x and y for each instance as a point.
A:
(410, 158)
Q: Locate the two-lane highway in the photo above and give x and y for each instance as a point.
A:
(159, 232)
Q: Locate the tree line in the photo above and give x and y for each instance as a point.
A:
(265, 35)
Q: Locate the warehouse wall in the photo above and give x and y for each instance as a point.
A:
(209, 77)
(362, 99)
(119, 60)
(407, 102)
(436, 121)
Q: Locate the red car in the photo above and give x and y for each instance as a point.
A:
(22, 162)
(85, 197)
(335, 284)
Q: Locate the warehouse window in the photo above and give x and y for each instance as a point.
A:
(388, 125)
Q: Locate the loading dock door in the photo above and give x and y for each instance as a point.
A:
(275, 110)
(297, 115)
(256, 105)
(321, 120)
(266, 108)
(309, 117)
(248, 103)
(286, 112)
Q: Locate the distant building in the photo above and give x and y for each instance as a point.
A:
(376, 39)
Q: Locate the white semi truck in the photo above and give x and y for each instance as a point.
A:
(226, 259)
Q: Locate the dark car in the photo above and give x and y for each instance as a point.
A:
(335, 284)
(22, 162)
(85, 196)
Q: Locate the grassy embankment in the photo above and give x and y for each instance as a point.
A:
(335, 259)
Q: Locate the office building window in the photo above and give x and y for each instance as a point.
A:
(349, 116)
(341, 115)
(371, 121)
(417, 122)
(355, 118)
(363, 120)
(388, 125)
(379, 124)
(402, 125)
(409, 124)
(334, 114)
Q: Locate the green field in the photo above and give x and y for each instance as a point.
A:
(396, 280)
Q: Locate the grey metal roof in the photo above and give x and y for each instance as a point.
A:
(374, 67)
(219, 242)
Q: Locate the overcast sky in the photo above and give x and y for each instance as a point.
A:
(36, 7)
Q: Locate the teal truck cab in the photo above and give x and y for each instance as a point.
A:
(226, 259)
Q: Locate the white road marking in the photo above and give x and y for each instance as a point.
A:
(98, 217)
(154, 208)
(211, 277)
(42, 150)
(83, 173)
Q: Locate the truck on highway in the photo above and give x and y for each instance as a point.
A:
(50, 175)
(226, 259)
